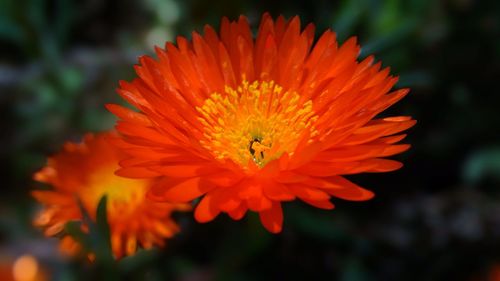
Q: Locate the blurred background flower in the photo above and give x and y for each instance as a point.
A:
(438, 218)
(80, 175)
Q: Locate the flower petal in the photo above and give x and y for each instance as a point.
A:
(186, 170)
(258, 204)
(341, 188)
(326, 205)
(180, 190)
(205, 210)
(272, 218)
(278, 192)
(308, 193)
(239, 212)
(136, 173)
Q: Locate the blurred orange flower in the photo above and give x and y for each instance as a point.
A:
(86, 171)
(249, 123)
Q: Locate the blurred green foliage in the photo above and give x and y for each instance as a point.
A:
(436, 219)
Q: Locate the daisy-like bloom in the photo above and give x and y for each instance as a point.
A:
(85, 171)
(249, 123)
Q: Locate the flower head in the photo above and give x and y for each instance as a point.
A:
(85, 171)
(249, 123)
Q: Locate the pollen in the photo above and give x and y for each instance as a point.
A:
(257, 122)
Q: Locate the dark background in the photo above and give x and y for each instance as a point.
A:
(438, 218)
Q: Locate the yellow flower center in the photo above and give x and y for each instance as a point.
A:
(256, 122)
(124, 195)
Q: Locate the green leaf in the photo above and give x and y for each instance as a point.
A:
(98, 237)
(74, 229)
(102, 233)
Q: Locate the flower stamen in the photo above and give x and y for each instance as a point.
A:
(256, 122)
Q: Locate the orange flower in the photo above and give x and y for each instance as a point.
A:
(86, 171)
(248, 124)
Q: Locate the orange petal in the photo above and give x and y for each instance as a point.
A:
(360, 152)
(136, 173)
(128, 115)
(175, 190)
(226, 199)
(278, 192)
(132, 129)
(226, 178)
(391, 139)
(327, 169)
(52, 197)
(131, 245)
(327, 205)
(383, 165)
(350, 194)
(272, 218)
(258, 204)
(186, 171)
(341, 188)
(376, 129)
(303, 156)
(205, 210)
(116, 243)
(308, 193)
(290, 177)
(239, 212)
